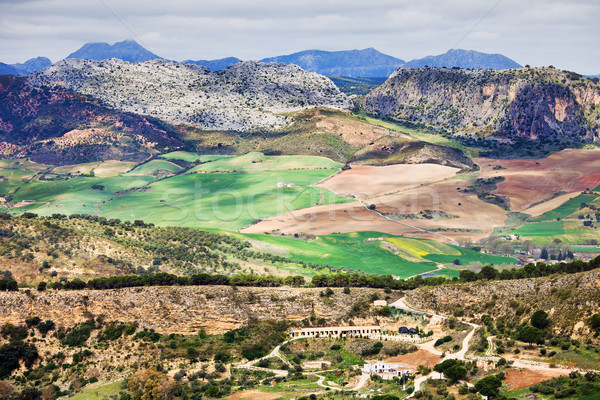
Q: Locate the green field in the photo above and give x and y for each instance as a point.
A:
(99, 392)
(224, 201)
(565, 209)
(149, 168)
(221, 200)
(258, 162)
(192, 157)
(368, 252)
(553, 228)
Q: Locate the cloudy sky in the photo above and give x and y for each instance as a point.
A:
(563, 33)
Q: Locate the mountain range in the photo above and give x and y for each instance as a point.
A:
(365, 63)
(29, 66)
(355, 63)
(464, 59)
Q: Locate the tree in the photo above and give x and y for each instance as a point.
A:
(41, 286)
(595, 321)
(455, 373)
(489, 386)
(530, 334)
(149, 384)
(488, 272)
(540, 320)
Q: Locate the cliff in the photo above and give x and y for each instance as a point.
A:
(184, 309)
(544, 105)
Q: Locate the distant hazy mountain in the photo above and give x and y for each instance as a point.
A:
(354, 63)
(127, 50)
(465, 59)
(215, 65)
(28, 67)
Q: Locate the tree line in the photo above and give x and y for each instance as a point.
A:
(488, 272)
(166, 279)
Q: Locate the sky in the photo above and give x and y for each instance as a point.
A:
(563, 33)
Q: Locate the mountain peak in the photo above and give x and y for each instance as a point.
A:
(465, 59)
(355, 63)
(30, 66)
(126, 50)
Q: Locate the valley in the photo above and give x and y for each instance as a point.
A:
(255, 230)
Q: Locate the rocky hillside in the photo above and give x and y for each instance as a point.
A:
(570, 300)
(186, 309)
(59, 126)
(244, 97)
(544, 105)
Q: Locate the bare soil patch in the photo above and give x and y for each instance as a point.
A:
(366, 181)
(253, 395)
(413, 360)
(524, 378)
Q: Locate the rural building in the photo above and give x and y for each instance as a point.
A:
(386, 370)
(338, 331)
(380, 303)
(285, 185)
(316, 364)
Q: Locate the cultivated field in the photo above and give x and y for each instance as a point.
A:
(433, 201)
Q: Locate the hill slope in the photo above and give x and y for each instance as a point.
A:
(464, 59)
(243, 97)
(354, 63)
(547, 106)
(127, 50)
(58, 126)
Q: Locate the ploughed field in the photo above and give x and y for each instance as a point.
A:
(445, 204)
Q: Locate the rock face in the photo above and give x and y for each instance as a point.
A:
(243, 97)
(59, 126)
(181, 309)
(464, 59)
(535, 104)
(354, 63)
(127, 50)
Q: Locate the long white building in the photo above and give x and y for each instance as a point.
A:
(338, 331)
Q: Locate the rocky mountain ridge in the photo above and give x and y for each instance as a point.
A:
(542, 104)
(243, 97)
